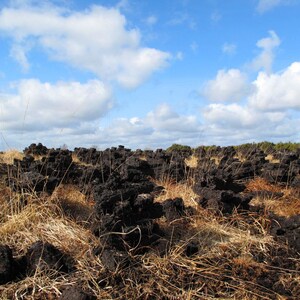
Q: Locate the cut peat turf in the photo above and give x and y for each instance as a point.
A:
(123, 224)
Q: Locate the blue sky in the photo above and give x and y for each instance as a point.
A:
(147, 74)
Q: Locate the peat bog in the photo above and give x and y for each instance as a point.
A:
(207, 223)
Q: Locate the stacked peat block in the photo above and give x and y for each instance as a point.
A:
(215, 181)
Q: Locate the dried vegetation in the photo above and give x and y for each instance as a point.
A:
(237, 257)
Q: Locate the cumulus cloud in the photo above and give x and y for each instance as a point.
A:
(165, 119)
(235, 124)
(279, 91)
(161, 127)
(231, 85)
(265, 58)
(97, 40)
(238, 116)
(265, 5)
(268, 111)
(270, 106)
(37, 106)
(57, 124)
(128, 128)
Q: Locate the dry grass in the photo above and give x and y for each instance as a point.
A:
(142, 157)
(77, 160)
(19, 230)
(228, 264)
(287, 205)
(173, 190)
(270, 158)
(74, 203)
(241, 157)
(44, 219)
(8, 157)
(216, 159)
(192, 161)
(261, 184)
(224, 267)
(233, 231)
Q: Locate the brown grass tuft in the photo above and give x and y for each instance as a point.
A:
(8, 156)
(44, 219)
(287, 205)
(216, 159)
(142, 157)
(241, 157)
(74, 203)
(261, 184)
(173, 190)
(270, 158)
(192, 161)
(77, 160)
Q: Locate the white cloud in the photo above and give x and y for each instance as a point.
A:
(279, 91)
(222, 124)
(96, 40)
(125, 128)
(269, 111)
(229, 49)
(265, 5)
(158, 129)
(151, 20)
(49, 119)
(229, 85)
(235, 124)
(265, 58)
(230, 116)
(270, 107)
(238, 116)
(19, 54)
(37, 106)
(163, 118)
